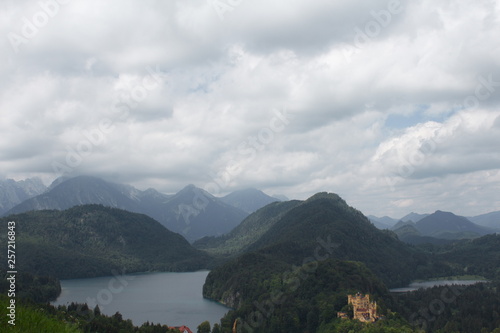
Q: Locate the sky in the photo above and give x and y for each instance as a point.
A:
(393, 105)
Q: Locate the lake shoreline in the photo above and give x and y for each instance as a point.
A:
(440, 282)
(171, 298)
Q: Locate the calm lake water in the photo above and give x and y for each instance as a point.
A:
(174, 299)
(429, 284)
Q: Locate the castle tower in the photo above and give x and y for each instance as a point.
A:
(364, 310)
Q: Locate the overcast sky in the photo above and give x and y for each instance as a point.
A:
(394, 105)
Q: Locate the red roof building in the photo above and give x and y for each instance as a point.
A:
(182, 329)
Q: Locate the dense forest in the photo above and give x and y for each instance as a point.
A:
(452, 309)
(93, 240)
(297, 299)
(32, 288)
(325, 250)
(247, 232)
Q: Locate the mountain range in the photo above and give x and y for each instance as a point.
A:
(14, 192)
(435, 228)
(192, 212)
(387, 222)
(292, 262)
(490, 220)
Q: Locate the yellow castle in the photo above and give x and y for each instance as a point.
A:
(364, 309)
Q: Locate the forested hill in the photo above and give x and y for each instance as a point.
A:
(312, 246)
(271, 296)
(247, 232)
(289, 230)
(314, 253)
(93, 240)
(326, 218)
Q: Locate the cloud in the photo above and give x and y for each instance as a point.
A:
(394, 109)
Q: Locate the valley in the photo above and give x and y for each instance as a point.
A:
(285, 266)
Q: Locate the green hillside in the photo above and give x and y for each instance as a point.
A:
(315, 253)
(327, 219)
(74, 318)
(94, 240)
(289, 230)
(29, 318)
(271, 296)
(248, 232)
(480, 256)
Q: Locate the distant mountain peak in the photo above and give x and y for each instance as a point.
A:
(414, 217)
(326, 195)
(193, 191)
(248, 200)
(447, 225)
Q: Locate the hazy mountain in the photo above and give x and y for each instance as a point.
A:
(94, 240)
(196, 213)
(248, 231)
(14, 192)
(408, 233)
(449, 226)
(192, 212)
(80, 191)
(491, 220)
(248, 200)
(402, 224)
(437, 228)
(281, 197)
(405, 228)
(413, 217)
(385, 222)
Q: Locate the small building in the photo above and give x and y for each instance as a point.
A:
(182, 329)
(342, 315)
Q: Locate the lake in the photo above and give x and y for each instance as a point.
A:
(174, 299)
(429, 284)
